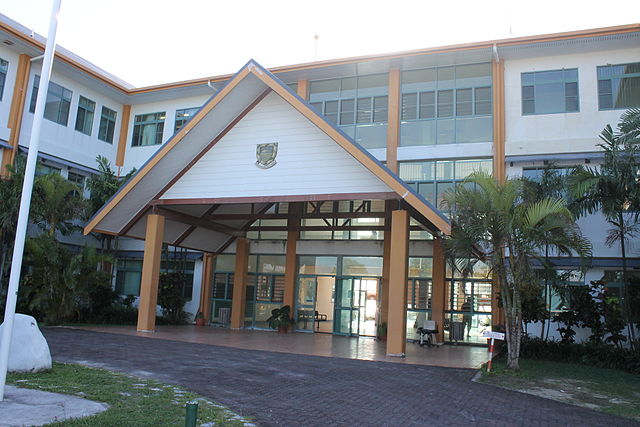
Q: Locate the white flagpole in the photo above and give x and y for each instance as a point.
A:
(25, 200)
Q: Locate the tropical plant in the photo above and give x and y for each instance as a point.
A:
(170, 297)
(280, 318)
(494, 222)
(551, 184)
(57, 282)
(10, 191)
(57, 203)
(614, 190)
(102, 187)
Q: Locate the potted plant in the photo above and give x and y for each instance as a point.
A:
(200, 319)
(281, 319)
(382, 332)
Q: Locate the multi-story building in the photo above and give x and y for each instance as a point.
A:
(431, 116)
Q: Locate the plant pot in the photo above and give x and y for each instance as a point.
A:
(283, 329)
(200, 322)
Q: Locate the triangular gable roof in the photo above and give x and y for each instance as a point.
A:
(219, 114)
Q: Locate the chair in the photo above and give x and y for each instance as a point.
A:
(427, 333)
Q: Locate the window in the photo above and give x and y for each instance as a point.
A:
(42, 169)
(4, 65)
(546, 92)
(433, 178)
(619, 86)
(84, 119)
(76, 178)
(183, 116)
(130, 273)
(147, 129)
(358, 105)
(58, 102)
(446, 105)
(107, 125)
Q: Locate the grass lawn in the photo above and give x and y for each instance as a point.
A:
(606, 390)
(132, 401)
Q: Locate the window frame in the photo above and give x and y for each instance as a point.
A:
(564, 81)
(106, 119)
(183, 119)
(85, 113)
(4, 70)
(50, 95)
(139, 126)
(610, 79)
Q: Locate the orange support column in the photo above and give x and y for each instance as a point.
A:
(150, 273)
(14, 124)
(240, 283)
(290, 269)
(438, 291)
(386, 265)
(291, 262)
(206, 286)
(303, 89)
(397, 322)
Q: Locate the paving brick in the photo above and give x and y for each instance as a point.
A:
(281, 389)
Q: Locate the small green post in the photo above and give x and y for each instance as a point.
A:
(192, 414)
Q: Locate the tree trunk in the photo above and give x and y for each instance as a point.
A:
(513, 331)
(625, 284)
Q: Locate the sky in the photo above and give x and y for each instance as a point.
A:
(147, 42)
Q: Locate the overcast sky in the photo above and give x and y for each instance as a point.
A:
(148, 42)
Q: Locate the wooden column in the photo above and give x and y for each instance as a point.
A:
(497, 312)
(397, 323)
(386, 265)
(303, 89)
(206, 287)
(438, 288)
(393, 121)
(290, 269)
(150, 273)
(124, 131)
(291, 262)
(20, 89)
(498, 121)
(240, 283)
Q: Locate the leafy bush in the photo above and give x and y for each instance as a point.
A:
(589, 353)
(170, 297)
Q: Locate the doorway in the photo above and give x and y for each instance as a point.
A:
(339, 305)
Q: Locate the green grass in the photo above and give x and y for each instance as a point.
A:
(606, 390)
(132, 401)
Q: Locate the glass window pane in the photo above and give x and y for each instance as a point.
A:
(363, 115)
(409, 106)
(347, 109)
(445, 103)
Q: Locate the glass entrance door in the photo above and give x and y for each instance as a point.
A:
(345, 317)
(306, 304)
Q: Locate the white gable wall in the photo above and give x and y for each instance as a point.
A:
(308, 161)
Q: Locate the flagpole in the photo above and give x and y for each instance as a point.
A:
(25, 199)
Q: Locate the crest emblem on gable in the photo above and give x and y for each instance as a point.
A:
(266, 155)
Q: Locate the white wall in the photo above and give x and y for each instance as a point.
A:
(136, 156)
(560, 133)
(64, 141)
(308, 161)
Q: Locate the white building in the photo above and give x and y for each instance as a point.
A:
(431, 116)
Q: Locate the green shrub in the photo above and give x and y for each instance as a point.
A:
(588, 353)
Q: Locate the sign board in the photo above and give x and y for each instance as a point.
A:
(494, 335)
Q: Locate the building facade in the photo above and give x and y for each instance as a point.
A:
(432, 116)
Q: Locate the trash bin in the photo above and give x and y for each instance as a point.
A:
(224, 315)
(456, 331)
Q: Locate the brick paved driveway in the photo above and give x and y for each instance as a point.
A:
(299, 390)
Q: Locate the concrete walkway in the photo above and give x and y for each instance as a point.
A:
(27, 407)
(299, 390)
(362, 348)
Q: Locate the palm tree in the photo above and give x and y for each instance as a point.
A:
(614, 190)
(57, 203)
(494, 223)
(551, 184)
